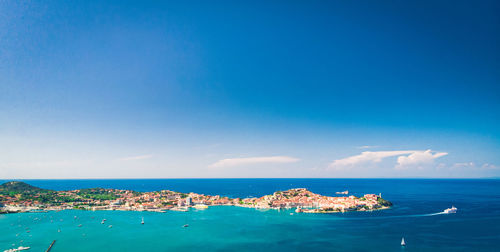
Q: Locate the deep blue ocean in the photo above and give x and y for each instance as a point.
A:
(414, 216)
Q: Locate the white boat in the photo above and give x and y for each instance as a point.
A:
(403, 243)
(17, 249)
(180, 209)
(450, 210)
(344, 192)
(200, 206)
(142, 222)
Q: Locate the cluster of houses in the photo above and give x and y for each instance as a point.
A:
(302, 199)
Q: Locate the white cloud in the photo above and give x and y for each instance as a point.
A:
(370, 157)
(490, 166)
(418, 159)
(463, 165)
(365, 157)
(368, 146)
(253, 160)
(136, 157)
(473, 166)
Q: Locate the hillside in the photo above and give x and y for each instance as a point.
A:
(19, 187)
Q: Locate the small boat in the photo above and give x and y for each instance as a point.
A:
(142, 222)
(80, 225)
(200, 206)
(344, 192)
(103, 220)
(450, 210)
(403, 243)
(17, 249)
(186, 225)
(180, 209)
(110, 226)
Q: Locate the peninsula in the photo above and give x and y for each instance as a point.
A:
(18, 196)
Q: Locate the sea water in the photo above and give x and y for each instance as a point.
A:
(416, 216)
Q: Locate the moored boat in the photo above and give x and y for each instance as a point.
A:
(200, 206)
(17, 249)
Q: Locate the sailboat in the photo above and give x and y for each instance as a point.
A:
(142, 222)
(403, 243)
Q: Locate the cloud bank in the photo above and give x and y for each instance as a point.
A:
(471, 166)
(418, 158)
(230, 162)
(406, 158)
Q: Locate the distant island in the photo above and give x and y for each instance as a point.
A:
(18, 196)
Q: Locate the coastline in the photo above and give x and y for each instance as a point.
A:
(177, 210)
(267, 227)
(22, 197)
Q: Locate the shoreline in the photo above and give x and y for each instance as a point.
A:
(307, 211)
(22, 197)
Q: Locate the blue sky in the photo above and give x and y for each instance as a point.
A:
(93, 89)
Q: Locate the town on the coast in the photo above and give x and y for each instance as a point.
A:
(18, 196)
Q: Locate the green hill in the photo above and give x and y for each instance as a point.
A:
(19, 187)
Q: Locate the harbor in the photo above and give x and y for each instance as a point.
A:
(419, 218)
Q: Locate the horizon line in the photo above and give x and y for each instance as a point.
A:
(12, 179)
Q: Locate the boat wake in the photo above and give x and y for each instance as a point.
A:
(423, 215)
(393, 216)
(436, 213)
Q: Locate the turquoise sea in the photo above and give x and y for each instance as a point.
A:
(417, 202)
